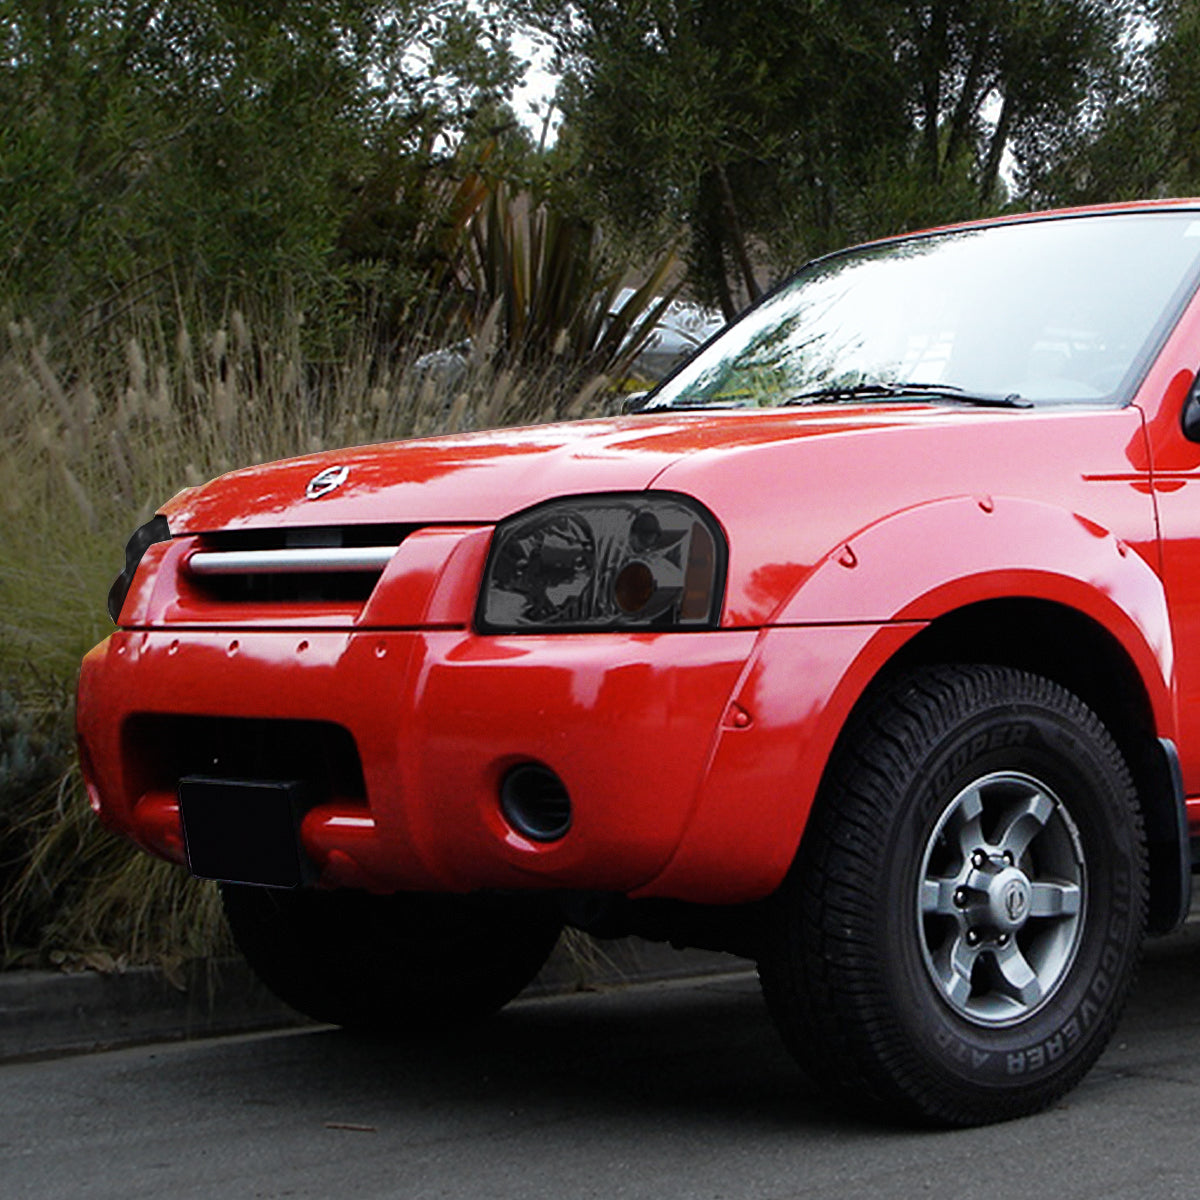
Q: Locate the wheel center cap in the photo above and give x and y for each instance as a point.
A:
(1009, 897)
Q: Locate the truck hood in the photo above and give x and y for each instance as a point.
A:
(789, 487)
(484, 477)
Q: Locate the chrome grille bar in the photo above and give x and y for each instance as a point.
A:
(317, 560)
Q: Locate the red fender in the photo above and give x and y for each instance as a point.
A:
(851, 614)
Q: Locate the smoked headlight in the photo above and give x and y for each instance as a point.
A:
(637, 561)
(143, 538)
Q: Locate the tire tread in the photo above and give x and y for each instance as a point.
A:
(819, 975)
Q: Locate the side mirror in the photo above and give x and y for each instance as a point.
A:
(1190, 418)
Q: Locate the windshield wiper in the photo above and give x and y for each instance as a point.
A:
(676, 405)
(904, 391)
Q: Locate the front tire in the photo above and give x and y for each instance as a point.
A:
(958, 935)
(385, 962)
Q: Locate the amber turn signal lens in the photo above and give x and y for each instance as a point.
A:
(701, 571)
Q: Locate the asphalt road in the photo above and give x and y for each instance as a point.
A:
(665, 1090)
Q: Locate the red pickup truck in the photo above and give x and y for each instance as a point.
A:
(864, 647)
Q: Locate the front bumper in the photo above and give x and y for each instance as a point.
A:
(629, 722)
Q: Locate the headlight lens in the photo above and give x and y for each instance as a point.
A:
(639, 561)
(143, 538)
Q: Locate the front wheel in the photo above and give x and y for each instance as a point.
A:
(391, 962)
(958, 935)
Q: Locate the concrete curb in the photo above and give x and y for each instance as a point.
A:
(48, 1013)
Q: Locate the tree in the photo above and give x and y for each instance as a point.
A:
(1004, 76)
(1145, 140)
(699, 115)
(774, 130)
(224, 143)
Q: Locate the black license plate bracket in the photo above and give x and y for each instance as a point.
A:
(245, 830)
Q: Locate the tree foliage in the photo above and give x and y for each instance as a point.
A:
(236, 144)
(317, 149)
(1145, 140)
(778, 129)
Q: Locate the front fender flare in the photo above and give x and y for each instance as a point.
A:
(922, 563)
(849, 617)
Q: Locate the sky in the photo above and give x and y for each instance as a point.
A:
(531, 99)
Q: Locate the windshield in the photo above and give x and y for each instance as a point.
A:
(1067, 310)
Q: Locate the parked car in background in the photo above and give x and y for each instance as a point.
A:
(869, 647)
(683, 327)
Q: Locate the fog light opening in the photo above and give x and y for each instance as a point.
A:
(535, 803)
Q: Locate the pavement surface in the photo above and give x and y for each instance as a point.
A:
(46, 1013)
(671, 1089)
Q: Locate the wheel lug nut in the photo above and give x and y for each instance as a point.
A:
(1002, 940)
(1008, 858)
(979, 860)
(960, 897)
(972, 937)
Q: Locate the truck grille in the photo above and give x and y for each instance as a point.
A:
(160, 749)
(330, 564)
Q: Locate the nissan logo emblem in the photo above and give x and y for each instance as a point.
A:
(1015, 900)
(324, 482)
